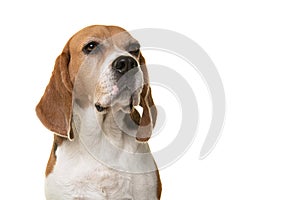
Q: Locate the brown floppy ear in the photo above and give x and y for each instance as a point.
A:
(148, 119)
(55, 107)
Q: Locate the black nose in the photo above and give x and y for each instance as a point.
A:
(124, 63)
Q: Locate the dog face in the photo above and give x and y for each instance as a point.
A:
(105, 69)
(100, 66)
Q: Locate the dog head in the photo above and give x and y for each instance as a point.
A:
(100, 66)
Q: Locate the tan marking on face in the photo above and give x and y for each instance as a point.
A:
(93, 73)
(112, 36)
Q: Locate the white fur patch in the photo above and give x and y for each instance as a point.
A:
(79, 174)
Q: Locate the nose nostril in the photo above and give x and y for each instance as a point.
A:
(124, 63)
(132, 63)
(121, 64)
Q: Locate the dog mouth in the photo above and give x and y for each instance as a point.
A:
(102, 109)
(123, 94)
(120, 98)
(99, 107)
(126, 107)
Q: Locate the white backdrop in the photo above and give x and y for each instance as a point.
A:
(255, 46)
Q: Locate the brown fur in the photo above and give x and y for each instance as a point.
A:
(55, 107)
(148, 119)
(52, 159)
(159, 185)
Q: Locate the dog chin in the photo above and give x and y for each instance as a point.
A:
(126, 108)
(126, 103)
(123, 101)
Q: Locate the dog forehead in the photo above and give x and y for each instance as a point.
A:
(112, 35)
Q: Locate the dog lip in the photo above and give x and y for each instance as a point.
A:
(105, 108)
(99, 107)
(115, 90)
(131, 105)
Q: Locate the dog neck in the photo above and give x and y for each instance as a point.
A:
(103, 137)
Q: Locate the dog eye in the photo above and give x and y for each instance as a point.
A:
(134, 49)
(135, 52)
(90, 47)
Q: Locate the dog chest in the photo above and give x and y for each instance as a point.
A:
(88, 179)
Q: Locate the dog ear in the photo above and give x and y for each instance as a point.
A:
(55, 107)
(148, 119)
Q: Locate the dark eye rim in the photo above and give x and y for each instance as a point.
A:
(135, 52)
(89, 47)
(134, 48)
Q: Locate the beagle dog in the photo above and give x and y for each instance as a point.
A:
(100, 148)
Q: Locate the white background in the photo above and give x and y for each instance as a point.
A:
(255, 46)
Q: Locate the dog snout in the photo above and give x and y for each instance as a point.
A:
(123, 64)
